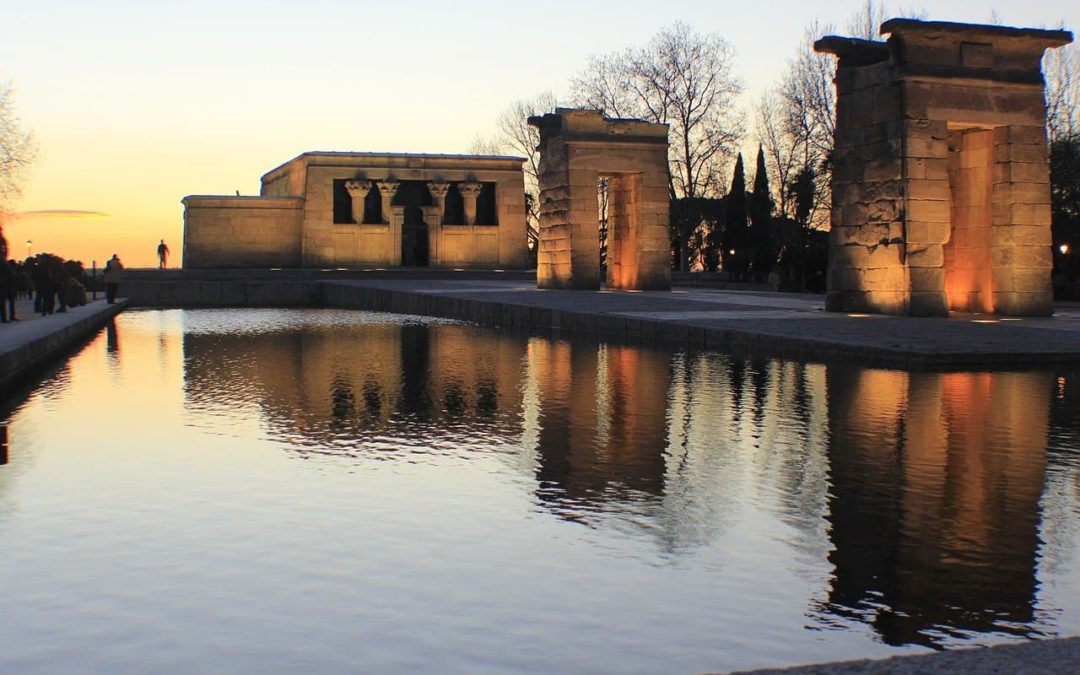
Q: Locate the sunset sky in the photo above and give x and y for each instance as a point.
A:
(136, 104)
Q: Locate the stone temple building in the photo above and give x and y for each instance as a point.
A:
(351, 209)
(941, 190)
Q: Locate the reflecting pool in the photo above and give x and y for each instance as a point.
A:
(327, 491)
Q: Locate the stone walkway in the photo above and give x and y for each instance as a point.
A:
(748, 322)
(1049, 657)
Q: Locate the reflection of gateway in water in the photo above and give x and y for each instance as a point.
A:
(936, 481)
(603, 428)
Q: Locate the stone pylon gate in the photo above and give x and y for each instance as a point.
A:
(941, 188)
(577, 148)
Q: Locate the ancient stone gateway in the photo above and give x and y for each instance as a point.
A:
(941, 192)
(367, 209)
(577, 148)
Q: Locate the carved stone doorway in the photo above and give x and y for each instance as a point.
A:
(412, 197)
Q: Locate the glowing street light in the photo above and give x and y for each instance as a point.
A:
(1064, 248)
(29, 248)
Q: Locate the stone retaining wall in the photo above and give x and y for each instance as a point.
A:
(19, 362)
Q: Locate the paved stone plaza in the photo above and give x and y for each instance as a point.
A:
(1034, 658)
(744, 322)
(758, 323)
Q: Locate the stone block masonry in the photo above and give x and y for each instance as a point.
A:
(577, 149)
(941, 191)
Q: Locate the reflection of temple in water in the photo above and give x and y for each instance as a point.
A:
(605, 430)
(936, 481)
(920, 491)
(324, 389)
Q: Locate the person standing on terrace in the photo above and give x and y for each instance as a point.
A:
(162, 254)
(114, 269)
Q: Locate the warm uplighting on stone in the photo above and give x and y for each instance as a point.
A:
(354, 209)
(577, 148)
(941, 191)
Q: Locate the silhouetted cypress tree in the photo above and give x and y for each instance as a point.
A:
(801, 191)
(736, 232)
(761, 210)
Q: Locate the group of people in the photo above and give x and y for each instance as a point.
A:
(15, 283)
(53, 284)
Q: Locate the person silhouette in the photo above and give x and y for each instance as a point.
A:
(114, 271)
(162, 254)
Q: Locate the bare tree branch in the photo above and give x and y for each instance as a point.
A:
(17, 149)
(1061, 68)
(681, 78)
(514, 136)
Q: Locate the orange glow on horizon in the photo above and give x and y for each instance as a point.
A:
(90, 238)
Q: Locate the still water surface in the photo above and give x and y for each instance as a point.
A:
(325, 491)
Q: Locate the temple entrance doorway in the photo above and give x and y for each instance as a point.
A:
(414, 196)
(621, 231)
(414, 239)
(968, 269)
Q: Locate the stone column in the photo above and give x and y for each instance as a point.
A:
(433, 219)
(387, 190)
(396, 216)
(469, 193)
(358, 191)
(438, 190)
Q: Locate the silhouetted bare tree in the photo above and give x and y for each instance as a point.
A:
(16, 148)
(16, 154)
(796, 122)
(681, 78)
(866, 22)
(795, 125)
(1062, 71)
(684, 79)
(783, 150)
(514, 136)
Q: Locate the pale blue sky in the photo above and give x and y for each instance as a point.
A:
(136, 104)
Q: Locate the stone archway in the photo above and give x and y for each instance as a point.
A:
(941, 189)
(577, 148)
